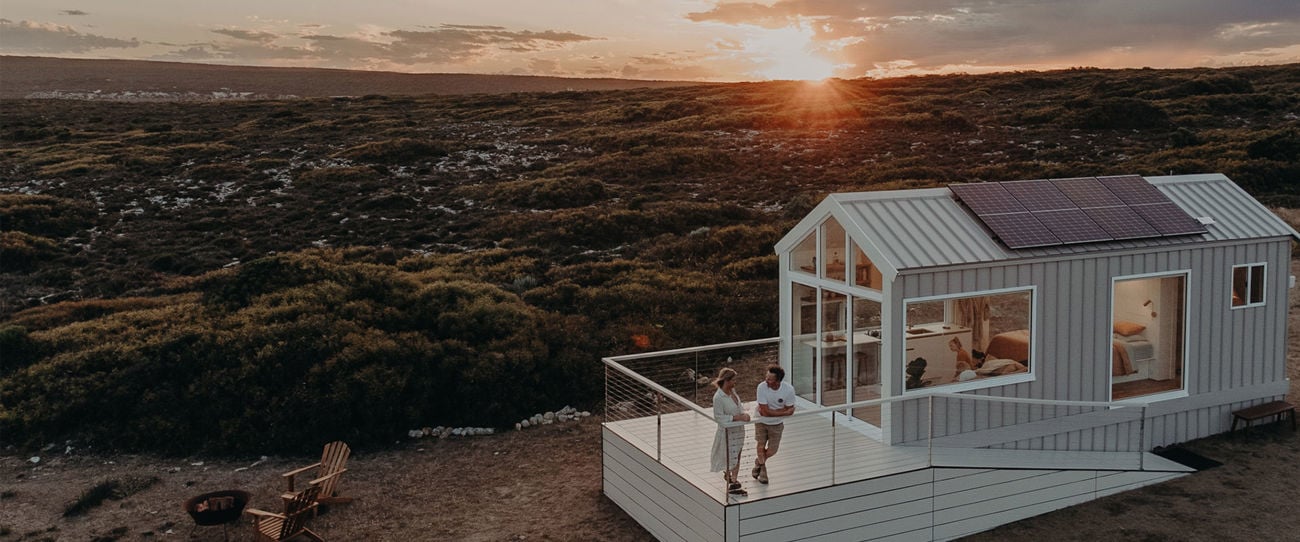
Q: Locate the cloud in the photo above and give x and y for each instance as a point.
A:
(248, 35)
(49, 38)
(935, 34)
(72, 12)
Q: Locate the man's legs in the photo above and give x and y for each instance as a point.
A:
(772, 442)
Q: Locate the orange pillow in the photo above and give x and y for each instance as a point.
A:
(1128, 328)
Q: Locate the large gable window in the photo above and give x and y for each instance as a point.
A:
(1248, 285)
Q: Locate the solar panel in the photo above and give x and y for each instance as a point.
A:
(1038, 195)
(986, 198)
(1087, 192)
(1039, 213)
(1121, 222)
(1169, 219)
(1133, 190)
(1020, 230)
(1072, 226)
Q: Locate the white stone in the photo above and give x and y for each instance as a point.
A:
(585, 413)
(34, 460)
(519, 426)
(548, 417)
(526, 423)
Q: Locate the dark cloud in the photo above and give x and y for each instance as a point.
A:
(444, 44)
(47, 38)
(72, 12)
(248, 35)
(461, 43)
(931, 34)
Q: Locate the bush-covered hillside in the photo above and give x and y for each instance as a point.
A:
(230, 276)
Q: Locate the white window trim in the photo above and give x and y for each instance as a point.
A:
(995, 382)
(1110, 359)
(1263, 294)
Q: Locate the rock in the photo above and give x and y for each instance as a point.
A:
(34, 459)
(519, 426)
(241, 469)
(428, 431)
(67, 451)
(415, 433)
(585, 414)
(196, 464)
(548, 417)
(526, 423)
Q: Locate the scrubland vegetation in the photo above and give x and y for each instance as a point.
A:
(266, 275)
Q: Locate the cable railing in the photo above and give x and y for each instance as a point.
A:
(661, 402)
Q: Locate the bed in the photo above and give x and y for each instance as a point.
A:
(1130, 348)
(1013, 345)
(1129, 351)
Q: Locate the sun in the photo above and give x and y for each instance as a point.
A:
(786, 53)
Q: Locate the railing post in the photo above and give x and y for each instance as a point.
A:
(833, 442)
(659, 429)
(1142, 440)
(929, 440)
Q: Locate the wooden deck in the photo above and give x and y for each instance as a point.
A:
(814, 455)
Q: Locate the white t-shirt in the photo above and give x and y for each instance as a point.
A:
(775, 399)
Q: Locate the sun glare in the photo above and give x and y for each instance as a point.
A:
(786, 53)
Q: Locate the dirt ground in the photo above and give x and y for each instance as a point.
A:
(544, 484)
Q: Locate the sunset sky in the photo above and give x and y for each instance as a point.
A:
(664, 39)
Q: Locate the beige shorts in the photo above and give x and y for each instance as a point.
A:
(769, 436)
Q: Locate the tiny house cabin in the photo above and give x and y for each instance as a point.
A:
(968, 356)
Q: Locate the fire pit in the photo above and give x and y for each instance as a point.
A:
(217, 507)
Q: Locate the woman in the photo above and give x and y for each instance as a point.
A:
(728, 441)
(964, 361)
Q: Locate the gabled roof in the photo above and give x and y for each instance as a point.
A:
(913, 229)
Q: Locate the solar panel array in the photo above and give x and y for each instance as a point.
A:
(1053, 212)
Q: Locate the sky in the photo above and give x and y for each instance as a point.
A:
(702, 40)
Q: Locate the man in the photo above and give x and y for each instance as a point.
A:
(775, 399)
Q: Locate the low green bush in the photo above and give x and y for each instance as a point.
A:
(289, 351)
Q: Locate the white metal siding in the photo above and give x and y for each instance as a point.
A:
(660, 500)
(1227, 349)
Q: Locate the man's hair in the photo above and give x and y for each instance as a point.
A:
(778, 371)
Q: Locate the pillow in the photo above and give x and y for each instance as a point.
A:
(1128, 328)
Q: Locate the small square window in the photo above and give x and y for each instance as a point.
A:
(1248, 285)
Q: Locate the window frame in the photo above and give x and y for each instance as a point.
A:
(1250, 286)
(900, 365)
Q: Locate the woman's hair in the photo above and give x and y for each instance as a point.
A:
(724, 374)
(956, 341)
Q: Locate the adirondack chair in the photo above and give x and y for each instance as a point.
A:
(332, 465)
(298, 508)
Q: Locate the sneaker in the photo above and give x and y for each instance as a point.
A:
(733, 486)
(738, 491)
(758, 470)
(762, 474)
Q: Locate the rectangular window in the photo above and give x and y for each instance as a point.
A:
(1248, 285)
(1148, 326)
(969, 340)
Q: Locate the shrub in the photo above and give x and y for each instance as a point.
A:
(396, 151)
(45, 215)
(1283, 145)
(560, 193)
(1117, 113)
(318, 348)
(20, 250)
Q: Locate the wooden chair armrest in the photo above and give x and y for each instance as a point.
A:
(334, 474)
(288, 476)
(263, 513)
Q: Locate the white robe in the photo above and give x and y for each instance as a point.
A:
(727, 441)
